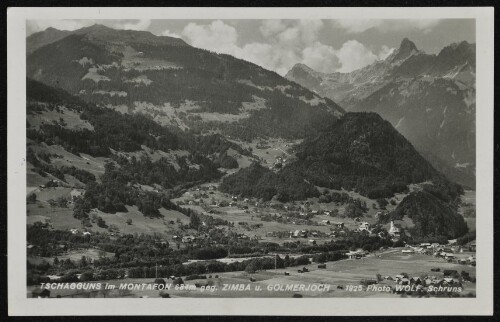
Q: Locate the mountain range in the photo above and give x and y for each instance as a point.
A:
(106, 95)
(430, 99)
(179, 85)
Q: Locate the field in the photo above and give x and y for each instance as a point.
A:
(341, 273)
(74, 255)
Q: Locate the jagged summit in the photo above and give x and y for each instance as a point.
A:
(407, 44)
(462, 48)
(406, 49)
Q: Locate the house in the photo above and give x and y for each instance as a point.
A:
(404, 281)
(355, 254)
(394, 231)
(325, 222)
(86, 233)
(187, 239)
(40, 293)
(449, 256)
(75, 193)
(399, 277)
(53, 278)
(74, 231)
(448, 280)
(296, 234)
(416, 280)
(408, 251)
(472, 247)
(364, 226)
(339, 225)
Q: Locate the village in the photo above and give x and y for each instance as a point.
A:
(315, 222)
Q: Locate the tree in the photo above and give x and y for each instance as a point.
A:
(353, 210)
(160, 281)
(101, 223)
(83, 262)
(382, 203)
(251, 268)
(194, 221)
(31, 198)
(178, 281)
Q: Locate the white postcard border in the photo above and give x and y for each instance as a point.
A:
(19, 304)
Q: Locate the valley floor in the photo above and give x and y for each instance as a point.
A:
(339, 279)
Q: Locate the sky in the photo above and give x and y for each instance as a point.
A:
(324, 45)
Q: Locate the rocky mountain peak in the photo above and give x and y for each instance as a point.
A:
(407, 45)
(303, 67)
(406, 49)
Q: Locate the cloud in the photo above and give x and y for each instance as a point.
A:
(353, 55)
(283, 46)
(286, 44)
(321, 57)
(217, 36)
(361, 25)
(272, 27)
(385, 52)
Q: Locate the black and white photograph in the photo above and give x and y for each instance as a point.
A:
(263, 156)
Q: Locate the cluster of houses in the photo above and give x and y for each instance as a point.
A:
(357, 254)
(278, 163)
(446, 252)
(75, 231)
(51, 183)
(189, 238)
(421, 282)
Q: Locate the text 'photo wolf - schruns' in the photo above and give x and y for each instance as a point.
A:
(251, 158)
